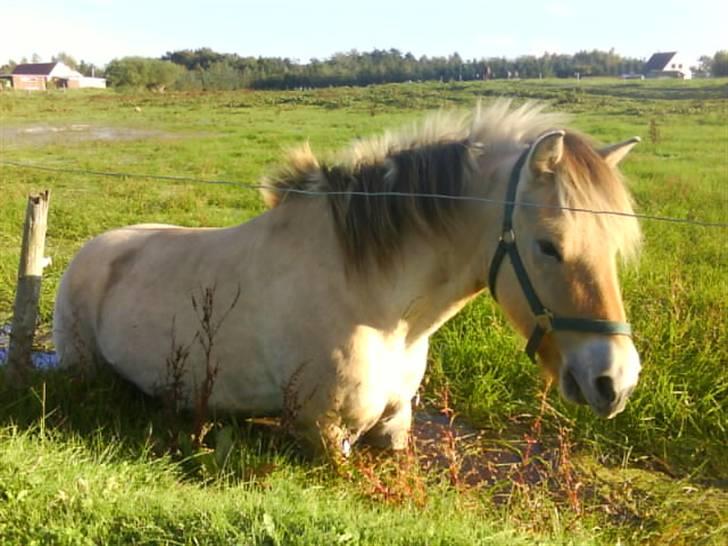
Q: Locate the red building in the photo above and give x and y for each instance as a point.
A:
(40, 76)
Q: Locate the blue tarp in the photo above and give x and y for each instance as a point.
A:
(41, 359)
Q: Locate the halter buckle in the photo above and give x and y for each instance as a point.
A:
(544, 320)
(508, 237)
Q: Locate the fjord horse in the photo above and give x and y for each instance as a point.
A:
(324, 305)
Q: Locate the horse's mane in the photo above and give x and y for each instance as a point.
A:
(437, 156)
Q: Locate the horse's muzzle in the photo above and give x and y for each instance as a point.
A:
(602, 373)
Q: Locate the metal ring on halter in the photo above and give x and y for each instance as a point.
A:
(545, 321)
(508, 237)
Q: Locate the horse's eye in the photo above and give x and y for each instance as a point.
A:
(548, 248)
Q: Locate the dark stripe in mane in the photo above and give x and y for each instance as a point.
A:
(373, 227)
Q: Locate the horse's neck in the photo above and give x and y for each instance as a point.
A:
(437, 275)
(432, 279)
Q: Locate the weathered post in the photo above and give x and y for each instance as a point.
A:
(30, 272)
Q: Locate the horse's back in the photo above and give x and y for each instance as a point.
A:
(127, 299)
(82, 287)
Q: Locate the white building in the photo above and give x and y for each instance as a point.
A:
(670, 64)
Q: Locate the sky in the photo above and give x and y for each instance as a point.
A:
(100, 30)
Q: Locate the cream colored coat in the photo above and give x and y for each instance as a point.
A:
(341, 352)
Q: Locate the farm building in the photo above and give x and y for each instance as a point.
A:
(670, 64)
(39, 76)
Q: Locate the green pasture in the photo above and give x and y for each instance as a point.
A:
(99, 463)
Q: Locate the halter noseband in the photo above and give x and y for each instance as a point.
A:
(545, 319)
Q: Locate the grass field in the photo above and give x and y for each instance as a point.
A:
(100, 464)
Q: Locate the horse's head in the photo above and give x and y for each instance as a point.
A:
(573, 315)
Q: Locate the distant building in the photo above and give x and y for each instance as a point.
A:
(39, 76)
(670, 64)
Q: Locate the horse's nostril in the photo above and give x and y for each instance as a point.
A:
(605, 388)
(572, 389)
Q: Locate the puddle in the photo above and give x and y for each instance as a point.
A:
(41, 134)
(472, 457)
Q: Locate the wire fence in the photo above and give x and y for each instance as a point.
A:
(393, 194)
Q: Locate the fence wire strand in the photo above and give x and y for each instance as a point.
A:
(316, 193)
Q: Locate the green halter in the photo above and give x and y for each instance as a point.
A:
(545, 319)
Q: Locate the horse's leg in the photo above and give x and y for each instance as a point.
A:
(324, 425)
(312, 414)
(325, 432)
(324, 437)
(393, 429)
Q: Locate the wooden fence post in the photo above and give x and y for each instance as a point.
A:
(30, 272)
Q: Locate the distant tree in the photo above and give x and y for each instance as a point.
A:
(199, 58)
(90, 69)
(190, 80)
(162, 74)
(8, 67)
(720, 63)
(127, 72)
(35, 58)
(704, 66)
(222, 75)
(65, 58)
(142, 72)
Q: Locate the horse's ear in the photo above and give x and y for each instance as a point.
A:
(615, 153)
(546, 152)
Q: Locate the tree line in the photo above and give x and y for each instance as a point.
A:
(717, 65)
(205, 69)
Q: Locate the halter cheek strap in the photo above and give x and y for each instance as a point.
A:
(545, 319)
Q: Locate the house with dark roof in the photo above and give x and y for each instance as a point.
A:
(39, 76)
(668, 64)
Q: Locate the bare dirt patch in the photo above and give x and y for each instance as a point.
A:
(472, 457)
(44, 134)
